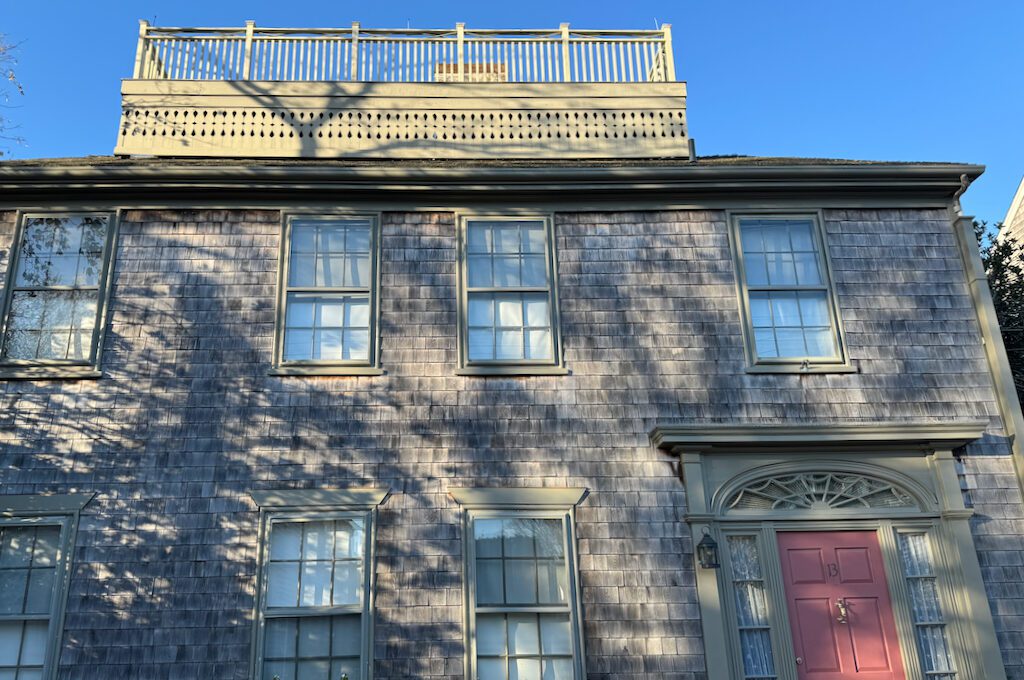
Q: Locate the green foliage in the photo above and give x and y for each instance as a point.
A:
(1003, 259)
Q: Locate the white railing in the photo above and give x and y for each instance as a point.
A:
(404, 55)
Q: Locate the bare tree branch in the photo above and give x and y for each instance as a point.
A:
(10, 86)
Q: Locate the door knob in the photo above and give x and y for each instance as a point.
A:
(843, 611)
(799, 660)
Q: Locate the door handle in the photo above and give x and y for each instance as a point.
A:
(843, 609)
(799, 660)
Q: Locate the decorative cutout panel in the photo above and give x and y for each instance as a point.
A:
(819, 491)
(432, 121)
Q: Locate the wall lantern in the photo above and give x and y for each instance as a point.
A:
(707, 551)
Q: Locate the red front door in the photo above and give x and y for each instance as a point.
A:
(839, 606)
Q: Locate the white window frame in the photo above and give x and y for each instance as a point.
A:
(316, 506)
(371, 365)
(60, 510)
(553, 366)
(804, 364)
(547, 503)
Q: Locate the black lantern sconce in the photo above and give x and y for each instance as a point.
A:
(707, 551)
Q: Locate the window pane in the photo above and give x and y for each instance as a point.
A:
(764, 341)
(348, 583)
(44, 550)
(506, 239)
(316, 584)
(298, 345)
(537, 311)
(490, 635)
(555, 636)
(523, 635)
(346, 635)
(314, 637)
(534, 271)
(318, 540)
(800, 236)
(538, 345)
(302, 270)
(348, 538)
(814, 309)
(301, 311)
(791, 342)
(781, 270)
(285, 541)
(524, 669)
(820, 342)
(491, 669)
(285, 670)
(756, 646)
(283, 584)
(345, 667)
(509, 344)
(752, 238)
(479, 273)
(280, 638)
(551, 582)
(33, 643)
(10, 642)
(510, 310)
(303, 238)
(481, 310)
(785, 310)
(40, 589)
(756, 269)
(776, 237)
(330, 312)
(17, 547)
(549, 537)
(358, 239)
(760, 310)
(327, 345)
(27, 310)
(357, 271)
(13, 584)
(318, 669)
(358, 312)
(807, 272)
(481, 343)
(520, 582)
(487, 533)
(506, 271)
(558, 669)
(519, 537)
(330, 271)
(489, 584)
(479, 237)
(533, 238)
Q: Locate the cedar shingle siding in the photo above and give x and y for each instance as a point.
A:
(186, 421)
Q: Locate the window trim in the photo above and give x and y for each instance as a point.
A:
(313, 367)
(312, 505)
(554, 366)
(49, 369)
(840, 364)
(534, 503)
(61, 510)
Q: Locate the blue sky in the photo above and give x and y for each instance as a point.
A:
(906, 80)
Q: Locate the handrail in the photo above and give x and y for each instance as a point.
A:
(404, 55)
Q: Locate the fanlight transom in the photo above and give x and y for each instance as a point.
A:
(819, 491)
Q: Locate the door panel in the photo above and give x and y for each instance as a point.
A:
(839, 606)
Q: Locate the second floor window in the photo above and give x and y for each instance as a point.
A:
(329, 293)
(55, 299)
(510, 305)
(790, 316)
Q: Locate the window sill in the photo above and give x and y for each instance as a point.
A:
(326, 371)
(51, 372)
(523, 370)
(800, 369)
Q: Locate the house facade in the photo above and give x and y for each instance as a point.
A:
(440, 354)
